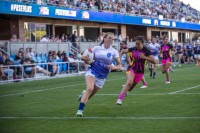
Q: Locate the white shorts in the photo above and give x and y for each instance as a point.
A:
(197, 56)
(98, 82)
(156, 58)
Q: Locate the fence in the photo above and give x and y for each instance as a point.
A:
(37, 47)
(40, 71)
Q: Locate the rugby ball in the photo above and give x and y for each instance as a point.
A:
(89, 53)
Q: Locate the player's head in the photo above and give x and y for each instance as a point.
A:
(165, 39)
(123, 45)
(139, 41)
(108, 39)
(153, 40)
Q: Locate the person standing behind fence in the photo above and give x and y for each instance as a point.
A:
(74, 40)
(14, 38)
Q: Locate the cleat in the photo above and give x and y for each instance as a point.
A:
(79, 113)
(119, 102)
(144, 86)
(122, 85)
(179, 65)
(80, 96)
(167, 82)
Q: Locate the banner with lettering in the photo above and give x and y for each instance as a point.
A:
(19, 8)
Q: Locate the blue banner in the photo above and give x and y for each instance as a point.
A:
(16, 8)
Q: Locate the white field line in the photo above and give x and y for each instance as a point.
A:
(21, 93)
(66, 86)
(154, 94)
(105, 118)
(184, 89)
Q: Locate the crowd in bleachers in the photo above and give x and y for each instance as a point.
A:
(170, 9)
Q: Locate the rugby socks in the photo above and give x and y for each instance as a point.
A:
(168, 79)
(145, 83)
(121, 96)
(151, 71)
(154, 74)
(81, 106)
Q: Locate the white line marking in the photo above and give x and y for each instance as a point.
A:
(184, 89)
(106, 118)
(66, 86)
(14, 94)
(153, 94)
(131, 94)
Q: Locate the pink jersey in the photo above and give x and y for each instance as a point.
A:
(166, 49)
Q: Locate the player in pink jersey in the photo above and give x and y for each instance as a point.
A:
(139, 55)
(166, 58)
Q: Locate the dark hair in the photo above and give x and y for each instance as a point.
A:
(124, 42)
(165, 37)
(140, 38)
(108, 33)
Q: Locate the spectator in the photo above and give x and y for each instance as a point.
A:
(14, 38)
(45, 38)
(74, 40)
(29, 53)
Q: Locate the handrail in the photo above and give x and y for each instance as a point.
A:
(4, 51)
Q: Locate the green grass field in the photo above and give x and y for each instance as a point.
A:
(49, 106)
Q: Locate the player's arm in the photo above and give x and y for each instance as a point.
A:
(123, 51)
(148, 58)
(118, 65)
(128, 58)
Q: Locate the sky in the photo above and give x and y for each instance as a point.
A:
(193, 3)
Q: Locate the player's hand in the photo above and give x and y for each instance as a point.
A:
(110, 67)
(84, 58)
(142, 56)
(122, 51)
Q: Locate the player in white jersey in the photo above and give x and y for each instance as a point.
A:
(154, 48)
(97, 73)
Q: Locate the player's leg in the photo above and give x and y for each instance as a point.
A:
(129, 81)
(198, 57)
(155, 66)
(144, 83)
(150, 68)
(90, 80)
(137, 79)
(179, 59)
(167, 66)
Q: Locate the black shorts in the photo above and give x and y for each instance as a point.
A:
(189, 54)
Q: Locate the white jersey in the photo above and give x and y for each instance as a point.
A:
(103, 57)
(154, 48)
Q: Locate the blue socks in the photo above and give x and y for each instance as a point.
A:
(81, 106)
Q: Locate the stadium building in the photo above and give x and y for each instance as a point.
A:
(32, 19)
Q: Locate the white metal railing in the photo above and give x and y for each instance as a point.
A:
(37, 47)
(10, 71)
(4, 51)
